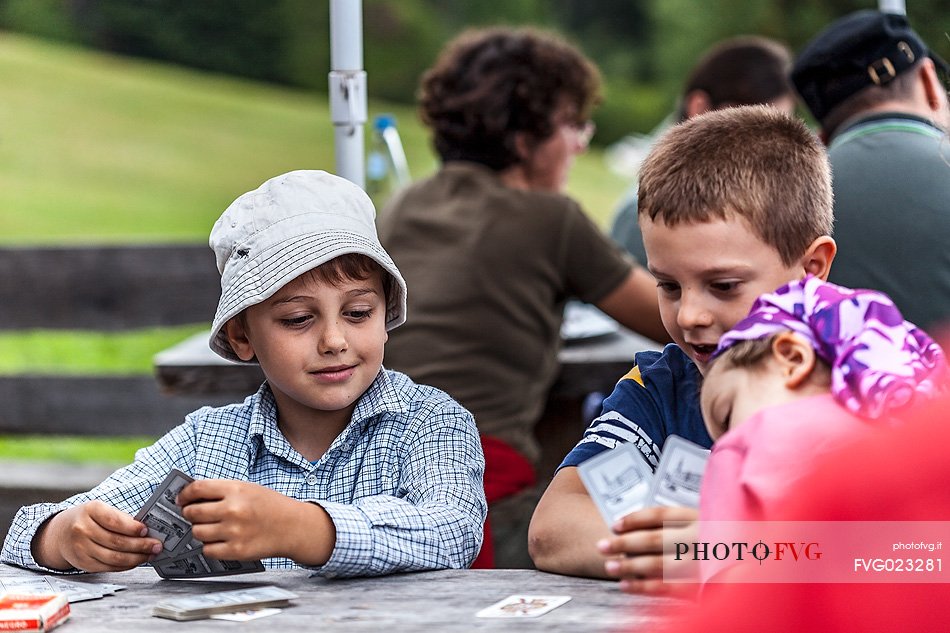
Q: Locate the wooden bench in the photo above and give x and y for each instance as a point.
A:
(112, 288)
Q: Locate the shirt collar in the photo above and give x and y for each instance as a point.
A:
(380, 398)
(469, 168)
(263, 412)
(875, 118)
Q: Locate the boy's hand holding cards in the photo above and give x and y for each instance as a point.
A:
(182, 556)
(620, 482)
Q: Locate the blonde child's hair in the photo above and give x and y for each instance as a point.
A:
(753, 162)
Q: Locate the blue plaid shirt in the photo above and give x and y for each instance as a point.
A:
(402, 482)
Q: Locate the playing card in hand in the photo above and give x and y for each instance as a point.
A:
(618, 481)
(679, 474)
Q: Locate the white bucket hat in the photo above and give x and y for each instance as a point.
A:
(289, 225)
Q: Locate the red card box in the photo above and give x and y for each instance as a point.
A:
(26, 612)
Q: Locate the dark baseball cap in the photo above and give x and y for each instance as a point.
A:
(862, 49)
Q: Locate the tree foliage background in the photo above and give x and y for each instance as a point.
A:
(643, 47)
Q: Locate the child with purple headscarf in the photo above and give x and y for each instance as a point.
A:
(811, 367)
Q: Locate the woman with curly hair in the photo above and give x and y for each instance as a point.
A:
(493, 249)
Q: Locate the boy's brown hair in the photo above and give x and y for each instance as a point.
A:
(754, 162)
(353, 267)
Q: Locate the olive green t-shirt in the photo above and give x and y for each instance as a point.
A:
(891, 180)
(488, 270)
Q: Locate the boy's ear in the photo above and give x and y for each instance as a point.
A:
(819, 255)
(236, 332)
(795, 356)
(696, 102)
(523, 145)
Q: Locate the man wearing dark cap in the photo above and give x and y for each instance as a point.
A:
(878, 93)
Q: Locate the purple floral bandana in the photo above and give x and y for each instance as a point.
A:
(879, 361)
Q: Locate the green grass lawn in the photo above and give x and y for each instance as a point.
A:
(99, 149)
(72, 449)
(77, 352)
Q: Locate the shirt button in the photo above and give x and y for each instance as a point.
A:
(312, 480)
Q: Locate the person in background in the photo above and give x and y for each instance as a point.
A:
(733, 204)
(492, 247)
(877, 92)
(743, 70)
(335, 464)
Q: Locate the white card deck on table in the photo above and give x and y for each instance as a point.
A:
(203, 606)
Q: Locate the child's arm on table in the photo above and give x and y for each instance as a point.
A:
(40, 528)
(93, 537)
(433, 516)
(569, 536)
(237, 520)
(565, 528)
(432, 520)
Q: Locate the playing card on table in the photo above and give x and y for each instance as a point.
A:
(522, 606)
(679, 474)
(74, 591)
(182, 556)
(79, 591)
(245, 616)
(618, 481)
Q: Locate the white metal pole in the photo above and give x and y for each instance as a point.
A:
(893, 6)
(347, 88)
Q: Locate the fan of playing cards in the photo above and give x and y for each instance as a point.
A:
(74, 591)
(182, 556)
(620, 481)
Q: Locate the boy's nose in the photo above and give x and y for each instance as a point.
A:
(332, 339)
(693, 313)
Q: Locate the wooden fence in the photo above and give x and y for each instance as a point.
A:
(115, 288)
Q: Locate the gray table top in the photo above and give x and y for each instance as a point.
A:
(443, 601)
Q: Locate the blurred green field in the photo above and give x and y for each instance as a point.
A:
(101, 149)
(98, 148)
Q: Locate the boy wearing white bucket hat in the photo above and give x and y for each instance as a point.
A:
(335, 464)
